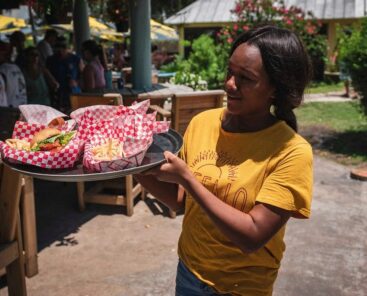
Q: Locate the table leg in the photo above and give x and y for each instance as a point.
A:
(129, 195)
(29, 227)
(80, 191)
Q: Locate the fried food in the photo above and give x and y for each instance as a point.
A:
(57, 122)
(111, 149)
(18, 144)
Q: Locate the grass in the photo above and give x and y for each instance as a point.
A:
(337, 130)
(322, 87)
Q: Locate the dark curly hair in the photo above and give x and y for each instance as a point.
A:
(287, 64)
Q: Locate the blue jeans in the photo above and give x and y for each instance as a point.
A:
(187, 284)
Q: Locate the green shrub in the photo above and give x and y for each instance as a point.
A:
(207, 61)
(192, 80)
(353, 52)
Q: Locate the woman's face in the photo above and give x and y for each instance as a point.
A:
(87, 55)
(247, 85)
(33, 57)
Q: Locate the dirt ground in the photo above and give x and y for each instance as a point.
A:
(105, 253)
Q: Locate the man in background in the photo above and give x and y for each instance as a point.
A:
(66, 67)
(13, 78)
(45, 46)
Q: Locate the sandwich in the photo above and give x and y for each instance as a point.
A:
(50, 139)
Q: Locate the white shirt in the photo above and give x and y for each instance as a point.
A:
(3, 96)
(15, 84)
(45, 51)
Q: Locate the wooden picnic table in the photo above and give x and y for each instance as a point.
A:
(157, 94)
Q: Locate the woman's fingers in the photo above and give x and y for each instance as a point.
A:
(169, 156)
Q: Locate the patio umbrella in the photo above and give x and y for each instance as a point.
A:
(7, 22)
(160, 32)
(97, 29)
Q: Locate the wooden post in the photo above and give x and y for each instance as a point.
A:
(129, 195)
(181, 38)
(29, 227)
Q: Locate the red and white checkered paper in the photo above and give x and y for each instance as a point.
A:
(65, 158)
(41, 114)
(130, 125)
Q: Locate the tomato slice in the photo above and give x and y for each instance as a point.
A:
(50, 146)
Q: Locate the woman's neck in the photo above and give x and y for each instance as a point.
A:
(251, 123)
(32, 69)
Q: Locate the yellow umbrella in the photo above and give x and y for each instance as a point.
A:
(94, 24)
(97, 29)
(160, 32)
(7, 22)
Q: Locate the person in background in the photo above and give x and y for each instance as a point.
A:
(244, 171)
(93, 74)
(3, 96)
(39, 80)
(119, 60)
(17, 41)
(158, 57)
(66, 67)
(45, 46)
(13, 77)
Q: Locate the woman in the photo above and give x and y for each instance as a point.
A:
(93, 73)
(244, 171)
(38, 79)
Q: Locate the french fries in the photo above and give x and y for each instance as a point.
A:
(110, 150)
(18, 144)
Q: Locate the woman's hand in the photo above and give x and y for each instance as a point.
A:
(174, 170)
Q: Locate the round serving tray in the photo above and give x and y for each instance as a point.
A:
(170, 141)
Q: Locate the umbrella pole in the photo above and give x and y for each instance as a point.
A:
(31, 21)
(141, 60)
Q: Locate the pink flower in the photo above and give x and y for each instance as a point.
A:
(310, 30)
(235, 27)
(230, 40)
(245, 28)
(238, 8)
(289, 22)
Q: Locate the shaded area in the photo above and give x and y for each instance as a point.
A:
(340, 146)
(59, 219)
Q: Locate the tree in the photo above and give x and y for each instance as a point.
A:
(251, 13)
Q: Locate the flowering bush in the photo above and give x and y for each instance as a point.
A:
(251, 13)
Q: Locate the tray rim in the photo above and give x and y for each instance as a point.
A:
(93, 176)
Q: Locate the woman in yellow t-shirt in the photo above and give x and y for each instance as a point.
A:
(243, 171)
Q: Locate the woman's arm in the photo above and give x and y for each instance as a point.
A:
(50, 79)
(172, 195)
(249, 231)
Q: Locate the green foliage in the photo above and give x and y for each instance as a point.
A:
(192, 80)
(353, 53)
(206, 61)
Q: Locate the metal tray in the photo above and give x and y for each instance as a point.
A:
(170, 141)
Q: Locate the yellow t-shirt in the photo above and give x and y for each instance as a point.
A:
(272, 166)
